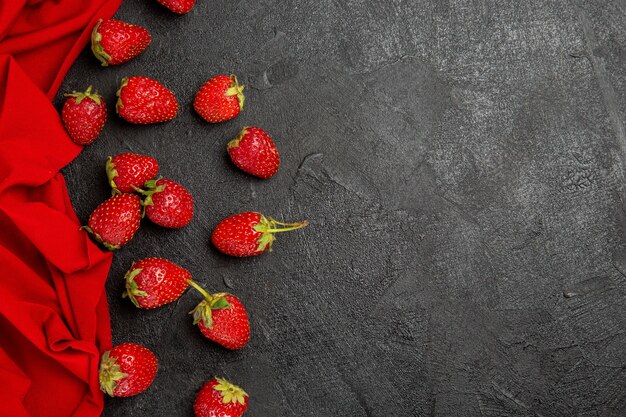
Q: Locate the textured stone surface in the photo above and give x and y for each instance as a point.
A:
(462, 166)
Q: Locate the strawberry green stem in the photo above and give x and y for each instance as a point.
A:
(267, 228)
(290, 226)
(80, 96)
(201, 290)
(150, 189)
(302, 224)
(203, 311)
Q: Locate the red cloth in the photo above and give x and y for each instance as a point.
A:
(54, 320)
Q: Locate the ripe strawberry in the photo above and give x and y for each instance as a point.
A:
(153, 282)
(219, 99)
(254, 152)
(248, 234)
(114, 42)
(84, 115)
(219, 397)
(114, 222)
(222, 318)
(126, 370)
(168, 203)
(143, 100)
(128, 171)
(178, 6)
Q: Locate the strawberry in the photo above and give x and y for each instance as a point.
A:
(222, 318)
(248, 234)
(219, 99)
(114, 42)
(126, 370)
(168, 203)
(254, 152)
(143, 100)
(219, 397)
(128, 171)
(84, 115)
(153, 282)
(178, 6)
(114, 222)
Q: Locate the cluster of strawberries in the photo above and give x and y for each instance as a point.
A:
(129, 369)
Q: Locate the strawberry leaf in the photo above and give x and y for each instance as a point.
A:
(202, 313)
(230, 393)
(110, 373)
(111, 174)
(219, 302)
(96, 48)
(132, 290)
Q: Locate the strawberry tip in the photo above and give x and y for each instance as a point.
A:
(99, 239)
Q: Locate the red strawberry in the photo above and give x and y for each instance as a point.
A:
(127, 369)
(114, 222)
(219, 99)
(219, 397)
(153, 282)
(178, 6)
(254, 152)
(128, 171)
(168, 203)
(248, 234)
(222, 318)
(114, 42)
(143, 100)
(84, 115)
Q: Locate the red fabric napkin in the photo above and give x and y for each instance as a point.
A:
(54, 320)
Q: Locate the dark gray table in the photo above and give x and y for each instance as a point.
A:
(462, 166)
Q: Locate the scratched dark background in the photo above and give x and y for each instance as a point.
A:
(462, 167)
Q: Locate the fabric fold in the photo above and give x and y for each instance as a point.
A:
(54, 319)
